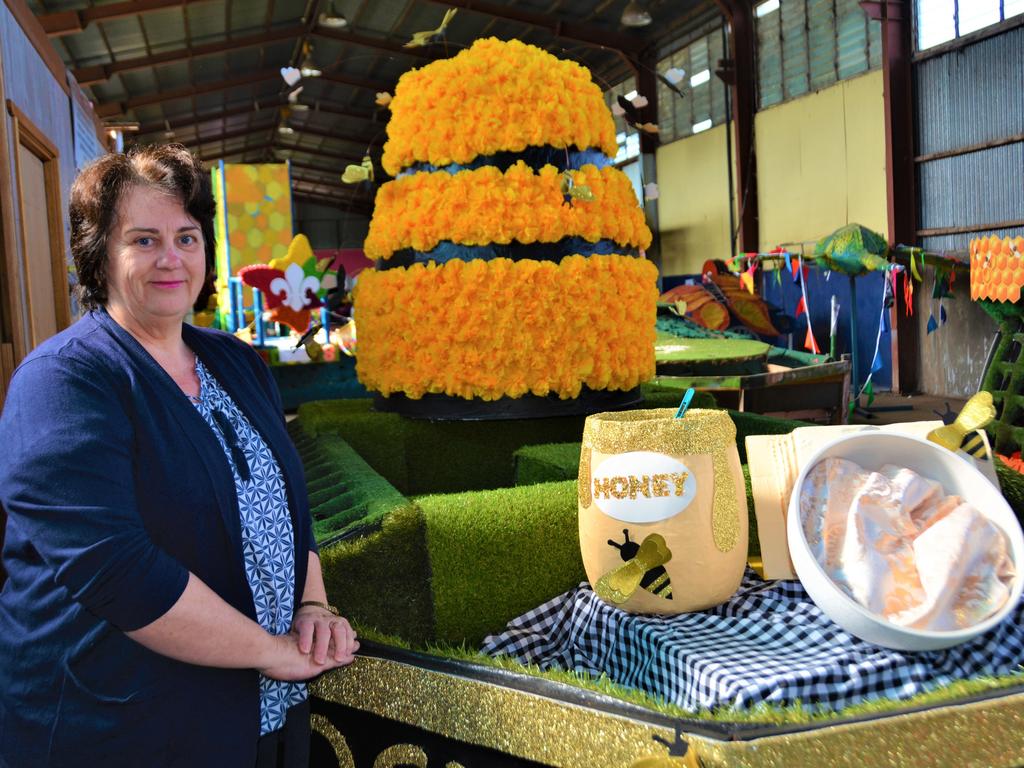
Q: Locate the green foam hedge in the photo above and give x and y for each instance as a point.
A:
(381, 579)
(344, 491)
(496, 554)
(547, 463)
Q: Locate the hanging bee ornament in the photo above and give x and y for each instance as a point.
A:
(964, 433)
(573, 191)
(644, 567)
(355, 174)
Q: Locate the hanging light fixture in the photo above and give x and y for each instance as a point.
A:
(635, 15)
(332, 19)
(309, 67)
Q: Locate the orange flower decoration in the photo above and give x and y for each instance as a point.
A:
(485, 206)
(498, 328)
(494, 96)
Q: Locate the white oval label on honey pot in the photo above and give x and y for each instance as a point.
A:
(642, 486)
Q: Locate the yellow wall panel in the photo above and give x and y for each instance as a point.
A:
(865, 151)
(693, 205)
(821, 162)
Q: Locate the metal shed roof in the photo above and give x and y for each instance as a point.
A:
(206, 73)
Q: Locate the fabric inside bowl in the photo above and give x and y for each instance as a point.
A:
(903, 549)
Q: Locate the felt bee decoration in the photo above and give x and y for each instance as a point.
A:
(356, 173)
(421, 39)
(963, 434)
(644, 567)
(573, 191)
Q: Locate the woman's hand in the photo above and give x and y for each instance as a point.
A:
(284, 660)
(323, 635)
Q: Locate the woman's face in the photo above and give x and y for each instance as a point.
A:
(156, 261)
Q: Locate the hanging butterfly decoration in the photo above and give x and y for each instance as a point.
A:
(292, 286)
(573, 191)
(671, 79)
(421, 39)
(355, 174)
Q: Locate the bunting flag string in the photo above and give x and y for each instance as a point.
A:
(810, 343)
(884, 328)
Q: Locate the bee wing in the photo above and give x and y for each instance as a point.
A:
(619, 584)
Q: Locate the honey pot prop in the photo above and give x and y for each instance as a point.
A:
(662, 509)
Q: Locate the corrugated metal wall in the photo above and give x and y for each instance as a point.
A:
(965, 98)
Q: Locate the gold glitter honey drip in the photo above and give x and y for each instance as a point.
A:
(708, 538)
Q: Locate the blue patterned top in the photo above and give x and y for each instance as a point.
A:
(267, 536)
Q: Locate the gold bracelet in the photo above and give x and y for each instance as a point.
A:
(318, 604)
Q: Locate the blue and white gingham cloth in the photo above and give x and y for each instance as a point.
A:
(769, 643)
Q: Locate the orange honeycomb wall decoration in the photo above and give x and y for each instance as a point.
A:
(997, 268)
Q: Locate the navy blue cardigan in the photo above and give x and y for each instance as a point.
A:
(115, 488)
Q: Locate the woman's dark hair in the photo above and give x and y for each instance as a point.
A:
(97, 193)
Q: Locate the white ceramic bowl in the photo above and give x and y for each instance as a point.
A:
(872, 451)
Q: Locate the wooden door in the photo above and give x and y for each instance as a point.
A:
(43, 261)
(36, 242)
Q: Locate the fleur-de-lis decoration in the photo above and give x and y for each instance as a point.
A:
(293, 286)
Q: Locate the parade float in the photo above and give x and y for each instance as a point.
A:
(458, 528)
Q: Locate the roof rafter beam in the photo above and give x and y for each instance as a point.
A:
(252, 107)
(353, 158)
(371, 42)
(111, 108)
(102, 72)
(364, 209)
(72, 22)
(566, 30)
(358, 82)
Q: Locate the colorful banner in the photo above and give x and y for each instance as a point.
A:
(254, 218)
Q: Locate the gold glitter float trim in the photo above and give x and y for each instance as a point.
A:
(401, 754)
(701, 431)
(325, 728)
(533, 727)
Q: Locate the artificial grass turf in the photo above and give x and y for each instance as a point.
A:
(496, 554)
(344, 491)
(381, 579)
(547, 463)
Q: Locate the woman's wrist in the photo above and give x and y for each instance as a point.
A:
(322, 605)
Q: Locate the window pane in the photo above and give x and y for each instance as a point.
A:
(769, 60)
(794, 49)
(821, 24)
(975, 14)
(934, 22)
(852, 40)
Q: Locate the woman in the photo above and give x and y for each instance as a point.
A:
(164, 596)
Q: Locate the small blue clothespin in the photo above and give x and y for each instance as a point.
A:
(681, 411)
